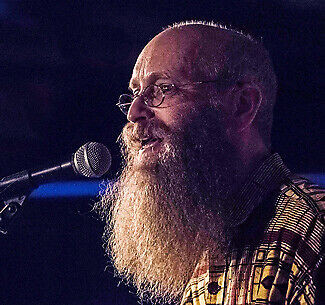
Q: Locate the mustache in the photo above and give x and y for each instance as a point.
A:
(133, 134)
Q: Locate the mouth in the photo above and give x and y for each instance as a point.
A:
(148, 142)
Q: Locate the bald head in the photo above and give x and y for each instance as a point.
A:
(199, 52)
(183, 49)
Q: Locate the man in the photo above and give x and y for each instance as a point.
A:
(203, 212)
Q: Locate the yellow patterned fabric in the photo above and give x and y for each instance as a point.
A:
(279, 248)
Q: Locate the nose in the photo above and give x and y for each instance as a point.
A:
(139, 110)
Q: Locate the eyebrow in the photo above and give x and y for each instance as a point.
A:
(153, 77)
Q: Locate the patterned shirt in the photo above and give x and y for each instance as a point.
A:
(280, 220)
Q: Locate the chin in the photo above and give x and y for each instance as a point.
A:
(145, 160)
(148, 157)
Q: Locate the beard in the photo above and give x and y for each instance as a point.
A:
(162, 214)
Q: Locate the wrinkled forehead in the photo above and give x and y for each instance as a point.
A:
(167, 55)
(174, 54)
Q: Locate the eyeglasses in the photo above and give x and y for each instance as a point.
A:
(153, 95)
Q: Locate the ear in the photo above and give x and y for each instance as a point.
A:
(246, 100)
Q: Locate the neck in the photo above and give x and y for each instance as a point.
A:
(251, 154)
(252, 150)
(250, 159)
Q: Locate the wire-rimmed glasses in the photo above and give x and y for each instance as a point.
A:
(153, 95)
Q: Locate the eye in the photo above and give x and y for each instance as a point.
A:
(165, 88)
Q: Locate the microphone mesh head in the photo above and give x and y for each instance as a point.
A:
(92, 160)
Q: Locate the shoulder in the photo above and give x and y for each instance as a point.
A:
(298, 222)
(304, 194)
(300, 208)
(295, 235)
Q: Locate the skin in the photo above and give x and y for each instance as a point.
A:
(171, 57)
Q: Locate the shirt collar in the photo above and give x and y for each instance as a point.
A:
(260, 183)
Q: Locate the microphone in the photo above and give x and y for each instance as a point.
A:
(91, 160)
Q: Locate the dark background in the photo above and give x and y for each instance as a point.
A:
(63, 65)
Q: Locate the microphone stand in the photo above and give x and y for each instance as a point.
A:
(10, 208)
(14, 191)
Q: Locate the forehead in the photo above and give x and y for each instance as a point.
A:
(170, 55)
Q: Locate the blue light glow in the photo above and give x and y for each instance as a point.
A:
(68, 189)
(92, 188)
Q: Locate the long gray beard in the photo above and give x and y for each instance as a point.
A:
(161, 220)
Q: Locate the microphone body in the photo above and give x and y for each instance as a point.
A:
(91, 160)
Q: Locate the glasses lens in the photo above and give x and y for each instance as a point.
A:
(124, 103)
(153, 96)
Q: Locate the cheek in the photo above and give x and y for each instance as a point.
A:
(173, 121)
(166, 116)
(176, 116)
